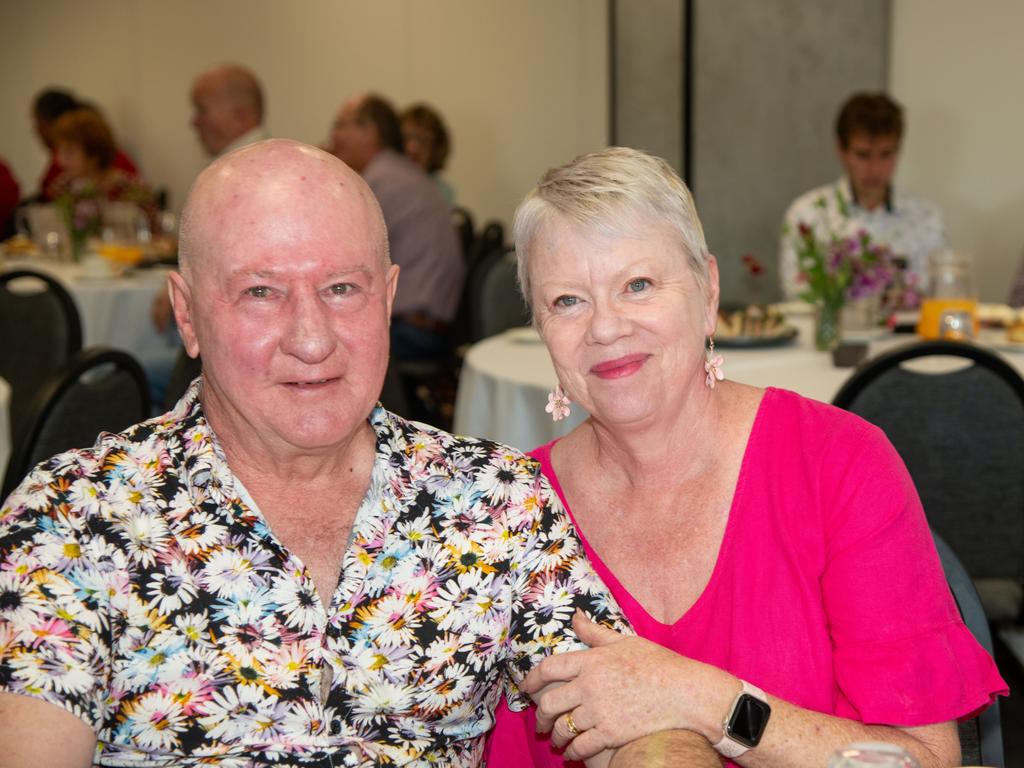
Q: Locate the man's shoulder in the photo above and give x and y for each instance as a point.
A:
(433, 450)
(915, 205)
(392, 172)
(813, 198)
(148, 453)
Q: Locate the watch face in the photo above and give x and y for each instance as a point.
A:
(748, 721)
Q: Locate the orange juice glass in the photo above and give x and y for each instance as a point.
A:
(930, 323)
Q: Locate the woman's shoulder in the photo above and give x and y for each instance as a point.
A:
(785, 411)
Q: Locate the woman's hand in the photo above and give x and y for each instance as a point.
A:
(621, 689)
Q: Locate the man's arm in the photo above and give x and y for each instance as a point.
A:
(35, 733)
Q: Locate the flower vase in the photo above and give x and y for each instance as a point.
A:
(826, 325)
(78, 240)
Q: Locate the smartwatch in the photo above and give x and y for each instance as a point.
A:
(745, 723)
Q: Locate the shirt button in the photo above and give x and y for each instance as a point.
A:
(335, 726)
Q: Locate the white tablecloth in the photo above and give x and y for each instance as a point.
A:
(505, 380)
(115, 310)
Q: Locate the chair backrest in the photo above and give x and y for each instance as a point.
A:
(961, 435)
(40, 328)
(491, 237)
(981, 737)
(464, 225)
(495, 303)
(97, 390)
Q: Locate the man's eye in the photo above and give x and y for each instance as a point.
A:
(341, 289)
(566, 301)
(638, 284)
(258, 291)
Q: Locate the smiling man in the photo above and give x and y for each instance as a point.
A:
(869, 132)
(278, 571)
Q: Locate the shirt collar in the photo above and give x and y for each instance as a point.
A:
(850, 196)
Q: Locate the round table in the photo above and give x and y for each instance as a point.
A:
(506, 378)
(114, 309)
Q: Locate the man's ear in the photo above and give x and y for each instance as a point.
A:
(181, 303)
(391, 284)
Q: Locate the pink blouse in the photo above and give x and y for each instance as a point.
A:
(827, 591)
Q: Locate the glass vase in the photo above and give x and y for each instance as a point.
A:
(827, 325)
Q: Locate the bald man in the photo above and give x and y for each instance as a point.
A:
(227, 109)
(172, 595)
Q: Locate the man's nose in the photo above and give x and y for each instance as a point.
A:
(309, 335)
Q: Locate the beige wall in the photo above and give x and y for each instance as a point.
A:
(522, 84)
(957, 68)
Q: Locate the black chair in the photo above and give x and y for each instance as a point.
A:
(464, 225)
(495, 303)
(981, 737)
(41, 330)
(961, 435)
(97, 390)
(491, 237)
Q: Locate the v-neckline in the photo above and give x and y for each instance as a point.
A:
(624, 597)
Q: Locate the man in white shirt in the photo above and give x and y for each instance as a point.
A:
(869, 129)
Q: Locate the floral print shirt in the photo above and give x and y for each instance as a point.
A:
(143, 591)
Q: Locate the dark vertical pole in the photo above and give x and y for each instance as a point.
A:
(613, 80)
(687, 100)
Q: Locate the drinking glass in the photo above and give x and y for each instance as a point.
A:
(872, 756)
(949, 296)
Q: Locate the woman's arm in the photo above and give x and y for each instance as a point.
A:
(624, 688)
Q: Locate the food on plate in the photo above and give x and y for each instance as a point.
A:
(754, 321)
(19, 245)
(996, 315)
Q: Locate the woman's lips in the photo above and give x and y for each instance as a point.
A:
(619, 367)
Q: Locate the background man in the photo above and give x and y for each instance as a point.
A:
(869, 130)
(367, 136)
(174, 592)
(227, 109)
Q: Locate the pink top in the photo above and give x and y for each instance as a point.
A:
(827, 591)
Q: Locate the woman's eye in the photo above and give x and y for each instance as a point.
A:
(258, 291)
(566, 301)
(639, 284)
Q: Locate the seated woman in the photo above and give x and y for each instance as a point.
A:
(425, 142)
(85, 150)
(771, 549)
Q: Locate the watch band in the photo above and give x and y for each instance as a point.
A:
(728, 746)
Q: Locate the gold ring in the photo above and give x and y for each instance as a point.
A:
(571, 725)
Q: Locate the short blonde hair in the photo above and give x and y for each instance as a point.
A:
(614, 192)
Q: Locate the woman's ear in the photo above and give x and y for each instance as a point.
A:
(712, 292)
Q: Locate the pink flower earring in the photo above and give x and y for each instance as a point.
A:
(558, 404)
(713, 365)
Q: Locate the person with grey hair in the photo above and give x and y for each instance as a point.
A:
(770, 551)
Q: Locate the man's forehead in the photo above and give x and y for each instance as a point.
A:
(281, 190)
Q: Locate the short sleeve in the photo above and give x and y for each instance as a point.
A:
(902, 654)
(54, 633)
(552, 578)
